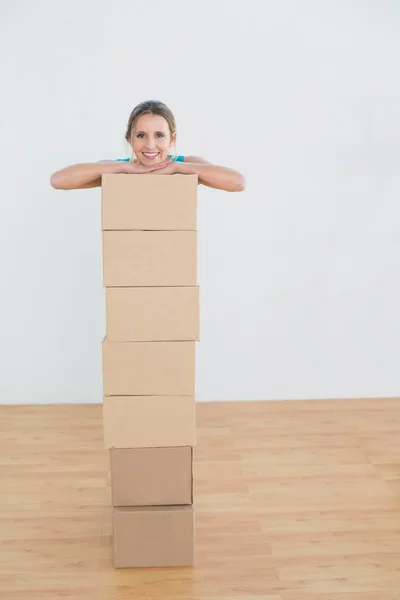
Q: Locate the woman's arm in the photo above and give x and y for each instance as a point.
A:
(88, 175)
(84, 175)
(211, 175)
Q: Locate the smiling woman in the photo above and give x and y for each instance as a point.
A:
(151, 133)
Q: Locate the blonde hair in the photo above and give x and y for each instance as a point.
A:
(151, 107)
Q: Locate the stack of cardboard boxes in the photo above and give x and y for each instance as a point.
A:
(152, 325)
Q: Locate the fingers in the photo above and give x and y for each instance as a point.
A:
(155, 167)
(165, 163)
(147, 169)
(150, 168)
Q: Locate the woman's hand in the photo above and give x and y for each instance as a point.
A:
(169, 168)
(137, 168)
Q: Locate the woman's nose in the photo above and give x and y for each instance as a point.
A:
(150, 143)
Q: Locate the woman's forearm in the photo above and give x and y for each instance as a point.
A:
(84, 175)
(215, 176)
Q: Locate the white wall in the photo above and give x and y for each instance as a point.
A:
(299, 275)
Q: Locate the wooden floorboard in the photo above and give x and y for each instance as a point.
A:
(294, 501)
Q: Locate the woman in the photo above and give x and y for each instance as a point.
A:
(151, 133)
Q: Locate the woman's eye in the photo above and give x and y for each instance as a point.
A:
(161, 135)
(139, 135)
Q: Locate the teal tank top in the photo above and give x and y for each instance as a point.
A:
(178, 158)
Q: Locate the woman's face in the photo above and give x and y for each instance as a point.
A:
(151, 139)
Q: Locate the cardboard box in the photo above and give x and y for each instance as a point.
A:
(149, 202)
(151, 476)
(152, 314)
(149, 421)
(153, 536)
(148, 368)
(149, 258)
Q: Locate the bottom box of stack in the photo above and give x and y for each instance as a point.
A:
(153, 536)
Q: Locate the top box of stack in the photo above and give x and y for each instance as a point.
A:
(149, 202)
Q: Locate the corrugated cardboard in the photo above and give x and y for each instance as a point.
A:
(149, 258)
(151, 476)
(149, 421)
(152, 314)
(148, 368)
(153, 536)
(149, 202)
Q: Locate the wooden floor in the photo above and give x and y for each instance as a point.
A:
(294, 501)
